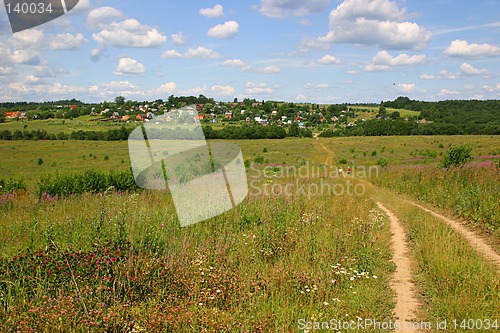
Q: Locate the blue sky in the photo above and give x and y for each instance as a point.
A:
(321, 51)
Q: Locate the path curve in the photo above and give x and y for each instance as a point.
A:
(402, 283)
(475, 241)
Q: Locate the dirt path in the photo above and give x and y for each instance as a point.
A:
(475, 241)
(330, 155)
(406, 304)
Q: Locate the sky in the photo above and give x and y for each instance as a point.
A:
(318, 51)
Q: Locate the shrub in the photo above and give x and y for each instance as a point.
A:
(259, 159)
(343, 161)
(90, 181)
(457, 155)
(11, 185)
(383, 162)
(40, 161)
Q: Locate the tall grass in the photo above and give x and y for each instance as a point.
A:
(471, 190)
(90, 181)
(119, 262)
(454, 280)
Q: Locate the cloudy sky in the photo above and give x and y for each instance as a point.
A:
(321, 51)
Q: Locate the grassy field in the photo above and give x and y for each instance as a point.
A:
(84, 123)
(120, 262)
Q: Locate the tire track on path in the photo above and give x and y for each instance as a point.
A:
(475, 241)
(402, 282)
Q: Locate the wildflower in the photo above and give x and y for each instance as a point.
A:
(326, 303)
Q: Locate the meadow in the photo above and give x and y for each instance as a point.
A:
(118, 260)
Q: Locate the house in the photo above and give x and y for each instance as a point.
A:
(202, 116)
(200, 107)
(115, 115)
(274, 113)
(228, 115)
(141, 117)
(15, 115)
(150, 115)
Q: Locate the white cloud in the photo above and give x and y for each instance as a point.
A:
(236, 63)
(328, 60)
(375, 22)
(29, 38)
(465, 70)
(67, 41)
(168, 88)
(98, 18)
(407, 88)
(5, 71)
(202, 52)
(446, 92)
(216, 11)
(199, 52)
(271, 69)
(226, 30)
(278, 9)
(223, 90)
(258, 89)
(461, 48)
(169, 54)
(25, 57)
(471, 70)
(305, 22)
(383, 61)
(31, 79)
(322, 86)
(129, 66)
(179, 39)
(130, 33)
(491, 89)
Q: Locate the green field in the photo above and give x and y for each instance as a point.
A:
(120, 262)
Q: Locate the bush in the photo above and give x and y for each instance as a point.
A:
(383, 162)
(11, 185)
(259, 159)
(457, 155)
(90, 181)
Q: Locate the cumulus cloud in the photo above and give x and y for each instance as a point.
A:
(471, 70)
(461, 48)
(236, 63)
(446, 92)
(465, 70)
(278, 9)
(216, 11)
(383, 61)
(67, 41)
(168, 88)
(129, 66)
(98, 18)
(375, 22)
(199, 52)
(225, 30)
(130, 33)
(271, 69)
(29, 57)
(328, 60)
(408, 88)
(223, 90)
(258, 89)
(179, 39)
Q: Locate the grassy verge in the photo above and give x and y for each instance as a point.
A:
(119, 262)
(455, 282)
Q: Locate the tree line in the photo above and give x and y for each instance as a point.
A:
(393, 127)
(121, 134)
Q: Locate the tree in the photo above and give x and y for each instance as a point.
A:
(457, 155)
(2, 116)
(294, 130)
(120, 100)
